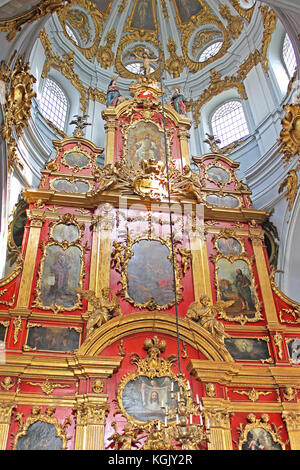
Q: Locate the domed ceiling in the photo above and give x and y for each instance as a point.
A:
(107, 38)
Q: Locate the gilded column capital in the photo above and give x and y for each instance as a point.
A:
(6, 408)
(37, 220)
(91, 413)
(106, 217)
(256, 235)
(292, 420)
(110, 126)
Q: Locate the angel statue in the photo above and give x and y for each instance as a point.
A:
(203, 312)
(105, 307)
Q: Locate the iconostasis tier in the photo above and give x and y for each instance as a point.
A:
(140, 310)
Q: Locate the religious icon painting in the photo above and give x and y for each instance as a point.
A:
(77, 159)
(188, 8)
(143, 16)
(65, 232)
(248, 349)
(46, 338)
(40, 436)
(218, 175)
(64, 185)
(223, 201)
(60, 275)
(144, 141)
(143, 397)
(229, 246)
(148, 277)
(259, 434)
(235, 282)
(294, 350)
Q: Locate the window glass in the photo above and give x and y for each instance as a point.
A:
(229, 123)
(289, 56)
(54, 104)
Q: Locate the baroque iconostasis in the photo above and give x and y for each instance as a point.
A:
(139, 307)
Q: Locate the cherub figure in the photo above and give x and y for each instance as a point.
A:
(128, 439)
(105, 307)
(203, 312)
(117, 256)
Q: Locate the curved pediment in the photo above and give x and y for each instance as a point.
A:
(189, 332)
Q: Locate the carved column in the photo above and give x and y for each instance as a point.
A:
(217, 412)
(110, 129)
(90, 426)
(106, 221)
(6, 408)
(200, 265)
(257, 238)
(184, 145)
(292, 421)
(95, 259)
(36, 223)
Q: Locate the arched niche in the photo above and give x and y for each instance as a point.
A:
(155, 323)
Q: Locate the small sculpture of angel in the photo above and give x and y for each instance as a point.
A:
(105, 307)
(203, 312)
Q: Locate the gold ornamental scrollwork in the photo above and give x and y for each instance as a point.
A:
(292, 186)
(48, 387)
(294, 311)
(234, 23)
(193, 65)
(91, 414)
(217, 86)
(79, 19)
(46, 417)
(259, 429)
(14, 24)
(174, 64)
(105, 54)
(65, 65)
(269, 21)
(252, 394)
(17, 107)
(152, 366)
(122, 262)
(289, 139)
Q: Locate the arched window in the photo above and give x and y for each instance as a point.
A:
(210, 51)
(229, 123)
(289, 57)
(53, 104)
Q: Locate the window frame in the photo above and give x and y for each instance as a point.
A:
(283, 58)
(220, 105)
(67, 102)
